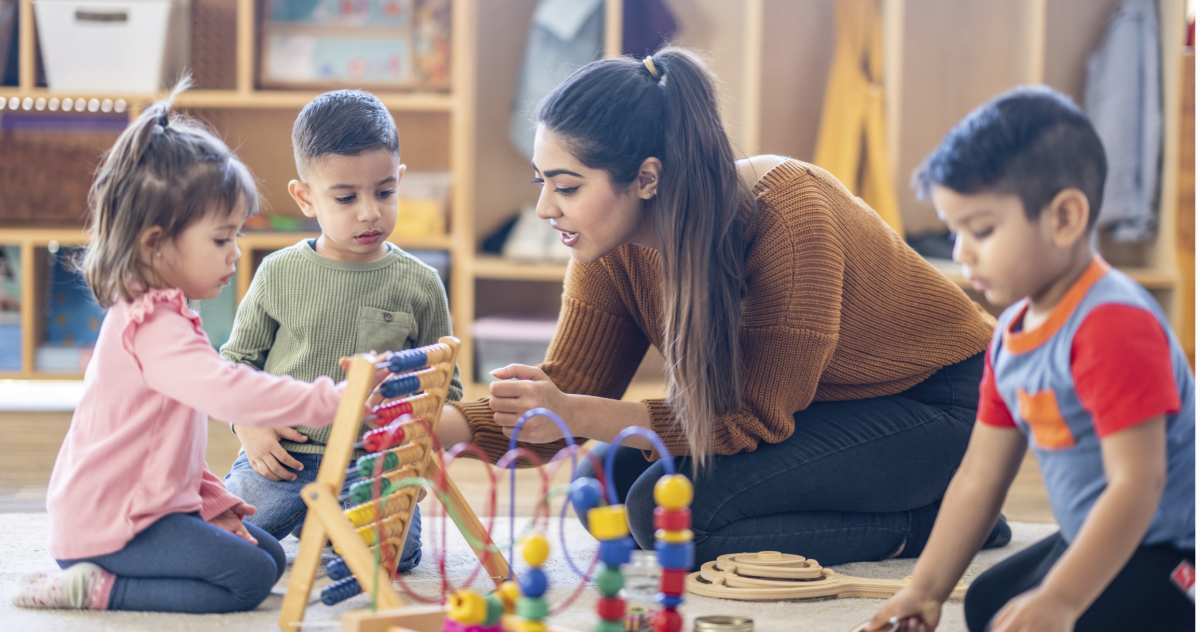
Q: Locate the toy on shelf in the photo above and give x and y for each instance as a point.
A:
(774, 576)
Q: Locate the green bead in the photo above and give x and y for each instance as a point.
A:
(609, 626)
(495, 610)
(535, 609)
(610, 581)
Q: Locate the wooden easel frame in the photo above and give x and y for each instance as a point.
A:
(326, 521)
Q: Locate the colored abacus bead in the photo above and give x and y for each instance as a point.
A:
(673, 581)
(403, 385)
(467, 607)
(608, 522)
(615, 553)
(535, 549)
(337, 569)
(585, 494)
(609, 626)
(610, 581)
(673, 537)
(675, 556)
(533, 608)
(672, 519)
(534, 582)
(673, 491)
(340, 591)
(450, 625)
(611, 608)
(407, 360)
(509, 592)
(367, 463)
(531, 626)
(670, 601)
(667, 621)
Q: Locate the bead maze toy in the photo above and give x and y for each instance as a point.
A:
(522, 605)
(369, 536)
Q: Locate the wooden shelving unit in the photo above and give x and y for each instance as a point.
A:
(773, 57)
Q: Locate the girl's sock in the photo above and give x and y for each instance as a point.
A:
(83, 586)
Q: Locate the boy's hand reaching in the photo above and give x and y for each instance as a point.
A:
(231, 521)
(908, 611)
(266, 455)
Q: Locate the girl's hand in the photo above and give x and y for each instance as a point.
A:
(1035, 611)
(232, 522)
(518, 388)
(909, 610)
(266, 455)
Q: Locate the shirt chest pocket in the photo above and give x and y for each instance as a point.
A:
(383, 330)
(1040, 410)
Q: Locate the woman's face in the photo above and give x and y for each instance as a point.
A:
(593, 216)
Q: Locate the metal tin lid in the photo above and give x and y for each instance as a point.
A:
(723, 623)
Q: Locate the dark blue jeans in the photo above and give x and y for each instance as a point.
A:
(858, 480)
(184, 564)
(281, 510)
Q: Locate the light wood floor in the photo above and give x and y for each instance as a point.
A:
(31, 443)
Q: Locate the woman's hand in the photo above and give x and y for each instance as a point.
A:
(907, 610)
(1035, 611)
(518, 388)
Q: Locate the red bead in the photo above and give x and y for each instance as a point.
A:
(672, 519)
(611, 608)
(673, 581)
(667, 621)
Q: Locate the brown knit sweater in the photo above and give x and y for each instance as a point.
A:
(838, 307)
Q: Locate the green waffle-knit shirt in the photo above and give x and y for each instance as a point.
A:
(303, 312)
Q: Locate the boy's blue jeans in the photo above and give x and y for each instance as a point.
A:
(281, 510)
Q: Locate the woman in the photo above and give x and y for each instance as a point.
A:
(821, 376)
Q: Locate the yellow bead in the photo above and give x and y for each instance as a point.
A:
(531, 626)
(535, 549)
(467, 607)
(608, 522)
(673, 491)
(509, 593)
(673, 537)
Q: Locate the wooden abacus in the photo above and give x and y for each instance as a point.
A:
(416, 381)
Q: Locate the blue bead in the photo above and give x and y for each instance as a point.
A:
(406, 361)
(533, 583)
(585, 495)
(337, 569)
(400, 386)
(670, 601)
(614, 553)
(340, 591)
(675, 556)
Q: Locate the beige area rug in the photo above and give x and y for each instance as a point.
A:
(23, 551)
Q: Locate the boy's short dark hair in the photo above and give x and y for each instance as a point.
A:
(342, 122)
(1031, 141)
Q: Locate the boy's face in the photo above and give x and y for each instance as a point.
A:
(353, 198)
(1005, 255)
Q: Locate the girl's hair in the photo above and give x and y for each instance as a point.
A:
(615, 113)
(165, 170)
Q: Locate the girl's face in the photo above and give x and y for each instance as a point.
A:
(203, 258)
(592, 215)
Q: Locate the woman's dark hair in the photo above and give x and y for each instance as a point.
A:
(613, 115)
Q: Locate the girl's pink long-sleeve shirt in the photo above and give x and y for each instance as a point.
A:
(135, 449)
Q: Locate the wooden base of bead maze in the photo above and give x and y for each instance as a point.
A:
(413, 619)
(327, 522)
(774, 576)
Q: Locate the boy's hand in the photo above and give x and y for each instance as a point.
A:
(909, 610)
(265, 453)
(1035, 611)
(231, 521)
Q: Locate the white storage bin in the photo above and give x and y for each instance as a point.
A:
(114, 47)
(500, 341)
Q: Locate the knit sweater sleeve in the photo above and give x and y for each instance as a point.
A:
(596, 350)
(792, 316)
(254, 330)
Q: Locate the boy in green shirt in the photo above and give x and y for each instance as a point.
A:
(348, 291)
